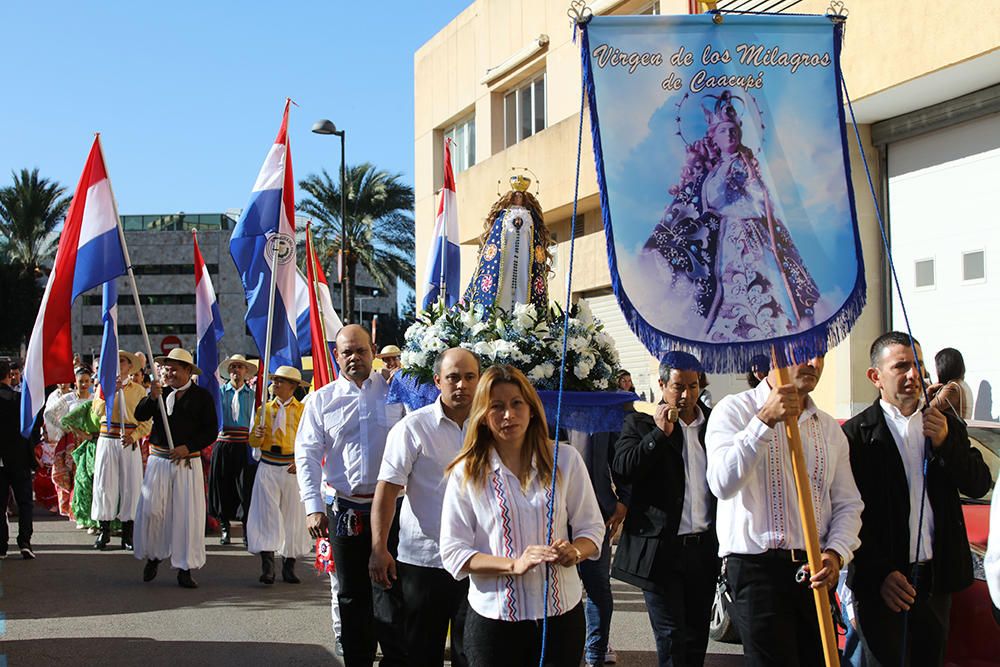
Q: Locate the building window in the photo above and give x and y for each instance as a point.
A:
(924, 273)
(524, 110)
(974, 265)
(463, 151)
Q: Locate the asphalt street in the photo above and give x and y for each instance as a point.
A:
(75, 604)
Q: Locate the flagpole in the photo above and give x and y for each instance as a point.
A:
(135, 294)
(273, 244)
(807, 517)
(442, 287)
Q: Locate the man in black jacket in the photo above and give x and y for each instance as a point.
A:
(17, 461)
(170, 519)
(912, 558)
(668, 547)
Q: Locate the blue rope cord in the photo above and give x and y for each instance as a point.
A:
(562, 366)
(913, 348)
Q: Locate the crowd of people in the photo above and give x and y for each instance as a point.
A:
(468, 524)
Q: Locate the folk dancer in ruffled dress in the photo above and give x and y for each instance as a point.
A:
(170, 521)
(85, 427)
(118, 463)
(277, 522)
(231, 478)
(62, 456)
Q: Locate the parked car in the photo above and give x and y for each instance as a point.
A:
(974, 639)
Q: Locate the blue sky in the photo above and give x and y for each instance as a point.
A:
(188, 96)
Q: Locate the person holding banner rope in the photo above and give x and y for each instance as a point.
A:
(170, 519)
(759, 525)
(911, 461)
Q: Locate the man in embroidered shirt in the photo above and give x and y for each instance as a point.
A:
(230, 480)
(418, 450)
(276, 521)
(668, 546)
(759, 527)
(894, 572)
(342, 437)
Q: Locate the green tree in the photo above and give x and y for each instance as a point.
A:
(30, 210)
(379, 226)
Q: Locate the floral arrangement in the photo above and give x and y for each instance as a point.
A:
(527, 338)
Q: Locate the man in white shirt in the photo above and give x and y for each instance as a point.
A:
(418, 450)
(342, 437)
(910, 464)
(758, 522)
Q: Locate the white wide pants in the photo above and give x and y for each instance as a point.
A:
(277, 520)
(117, 480)
(170, 520)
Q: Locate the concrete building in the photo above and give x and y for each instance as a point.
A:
(503, 79)
(162, 254)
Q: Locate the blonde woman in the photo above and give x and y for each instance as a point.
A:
(493, 528)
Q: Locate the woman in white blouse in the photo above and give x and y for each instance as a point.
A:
(493, 529)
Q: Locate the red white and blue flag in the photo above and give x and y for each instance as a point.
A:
(208, 324)
(444, 258)
(324, 323)
(107, 374)
(270, 214)
(90, 253)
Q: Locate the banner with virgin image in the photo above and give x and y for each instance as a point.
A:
(725, 183)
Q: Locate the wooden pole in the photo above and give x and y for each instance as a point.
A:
(821, 596)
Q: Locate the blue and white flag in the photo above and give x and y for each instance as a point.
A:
(725, 183)
(444, 256)
(264, 238)
(108, 371)
(208, 324)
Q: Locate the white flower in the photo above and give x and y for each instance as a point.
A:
(541, 372)
(478, 328)
(584, 313)
(485, 350)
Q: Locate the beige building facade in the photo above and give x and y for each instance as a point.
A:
(503, 80)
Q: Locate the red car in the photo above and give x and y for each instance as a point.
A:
(975, 636)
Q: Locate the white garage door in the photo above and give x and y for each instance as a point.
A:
(943, 202)
(634, 357)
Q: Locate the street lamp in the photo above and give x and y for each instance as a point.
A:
(327, 127)
(361, 304)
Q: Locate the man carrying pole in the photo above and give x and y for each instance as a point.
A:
(761, 535)
(170, 520)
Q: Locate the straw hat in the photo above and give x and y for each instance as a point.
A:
(237, 359)
(134, 364)
(289, 373)
(181, 355)
(389, 351)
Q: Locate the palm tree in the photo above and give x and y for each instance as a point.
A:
(29, 212)
(379, 225)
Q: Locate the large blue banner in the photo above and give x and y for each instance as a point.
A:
(725, 183)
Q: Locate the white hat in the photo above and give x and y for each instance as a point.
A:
(181, 355)
(289, 373)
(236, 359)
(389, 351)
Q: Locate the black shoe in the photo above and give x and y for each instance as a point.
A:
(288, 571)
(149, 572)
(103, 536)
(245, 543)
(225, 533)
(184, 579)
(27, 553)
(267, 567)
(127, 527)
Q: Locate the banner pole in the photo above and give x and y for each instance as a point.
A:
(311, 258)
(821, 596)
(135, 297)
